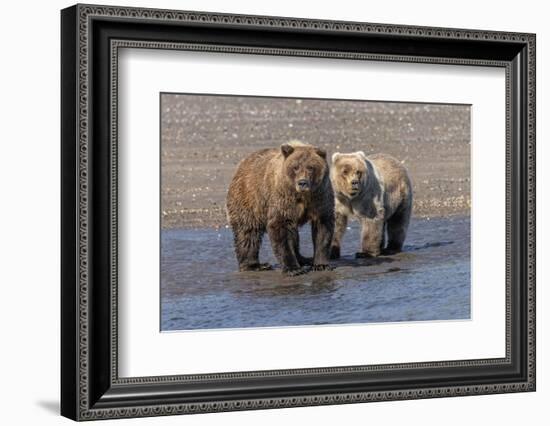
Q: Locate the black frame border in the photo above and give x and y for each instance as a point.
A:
(90, 387)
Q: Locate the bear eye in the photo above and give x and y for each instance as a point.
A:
(359, 175)
(309, 168)
(345, 172)
(296, 167)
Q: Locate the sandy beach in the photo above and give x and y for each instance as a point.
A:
(204, 137)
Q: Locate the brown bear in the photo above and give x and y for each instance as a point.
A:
(278, 190)
(377, 191)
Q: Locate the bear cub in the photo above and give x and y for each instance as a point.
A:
(277, 191)
(378, 192)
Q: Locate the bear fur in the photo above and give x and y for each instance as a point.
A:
(277, 191)
(378, 192)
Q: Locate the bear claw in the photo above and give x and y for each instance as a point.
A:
(296, 271)
(257, 267)
(323, 267)
(264, 267)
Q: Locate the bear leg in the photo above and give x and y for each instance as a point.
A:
(397, 231)
(247, 248)
(341, 222)
(322, 232)
(372, 235)
(302, 260)
(283, 235)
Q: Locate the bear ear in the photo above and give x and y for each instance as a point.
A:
(321, 153)
(361, 153)
(335, 156)
(287, 149)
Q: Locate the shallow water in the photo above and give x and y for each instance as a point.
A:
(429, 280)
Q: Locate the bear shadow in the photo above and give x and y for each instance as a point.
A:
(433, 244)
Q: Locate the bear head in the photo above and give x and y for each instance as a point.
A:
(305, 167)
(349, 173)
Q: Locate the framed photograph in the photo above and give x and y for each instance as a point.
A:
(263, 212)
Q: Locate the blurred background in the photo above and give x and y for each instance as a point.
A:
(203, 137)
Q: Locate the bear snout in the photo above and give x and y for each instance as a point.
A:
(303, 184)
(355, 187)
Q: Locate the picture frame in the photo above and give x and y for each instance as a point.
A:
(90, 384)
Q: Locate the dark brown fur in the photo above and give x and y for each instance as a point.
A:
(276, 191)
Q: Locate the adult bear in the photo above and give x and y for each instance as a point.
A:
(376, 190)
(278, 190)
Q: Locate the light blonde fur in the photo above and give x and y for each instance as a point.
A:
(378, 192)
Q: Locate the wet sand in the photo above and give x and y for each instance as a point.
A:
(204, 137)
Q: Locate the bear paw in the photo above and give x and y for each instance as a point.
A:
(390, 251)
(323, 267)
(365, 255)
(295, 271)
(264, 267)
(257, 267)
(305, 261)
(335, 252)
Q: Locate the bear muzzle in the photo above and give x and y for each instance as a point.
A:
(355, 187)
(303, 185)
